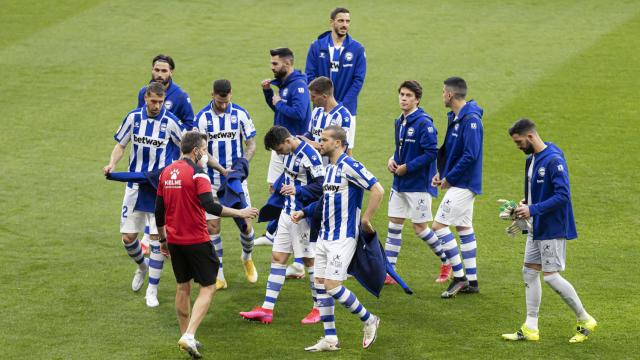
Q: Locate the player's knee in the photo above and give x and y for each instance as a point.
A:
(307, 262)
(549, 276)
(129, 238)
(331, 284)
(154, 237)
(184, 288)
(437, 226)
(419, 228)
(528, 272)
(279, 258)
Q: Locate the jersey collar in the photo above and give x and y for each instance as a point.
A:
(147, 117)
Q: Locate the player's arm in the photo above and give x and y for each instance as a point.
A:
(185, 113)
(560, 181)
(250, 149)
(213, 163)
(313, 190)
(298, 104)
(205, 196)
(471, 152)
(375, 199)
(267, 91)
(429, 146)
(116, 155)
(357, 81)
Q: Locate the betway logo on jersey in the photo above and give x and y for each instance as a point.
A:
(145, 140)
(222, 135)
(316, 132)
(331, 188)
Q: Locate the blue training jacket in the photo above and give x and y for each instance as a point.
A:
(177, 101)
(550, 206)
(351, 70)
(416, 146)
(294, 111)
(460, 157)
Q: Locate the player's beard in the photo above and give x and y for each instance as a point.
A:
(161, 81)
(528, 149)
(280, 75)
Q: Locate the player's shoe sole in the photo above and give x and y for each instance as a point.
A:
(583, 330)
(523, 334)
(258, 314)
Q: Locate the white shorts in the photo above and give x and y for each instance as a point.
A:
(133, 221)
(293, 238)
(216, 187)
(333, 258)
(456, 207)
(551, 254)
(276, 167)
(410, 205)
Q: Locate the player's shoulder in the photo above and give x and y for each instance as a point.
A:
(133, 113)
(312, 155)
(205, 110)
(344, 112)
(171, 116)
(240, 109)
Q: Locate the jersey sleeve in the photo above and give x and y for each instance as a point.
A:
(123, 134)
(202, 181)
(359, 175)
(248, 129)
(348, 126)
(314, 165)
(175, 131)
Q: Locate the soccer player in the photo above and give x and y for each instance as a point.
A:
(184, 193)
(303, 179)
(460, 174)
(413, 165)
(547, 201)
(343, 189)
(327, 112)
(292, 110)
(176, 100)
(153, 131)
(228, 126)
(336, 55)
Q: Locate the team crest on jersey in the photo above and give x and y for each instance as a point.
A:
(348, 56)
(560, 167)
(430, 129)
(474, 126)
(456, 126)
(163, 127)
(285, 92)
(542, 171)
(410, 132)
(234, 119)
(168, 104)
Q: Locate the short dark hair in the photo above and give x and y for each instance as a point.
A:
(222, 87)
(523, 126)
(413, 86)
(337, 133)
(275, 136)
(322, 85)
(156, 88)
(164, 58)
(191, 140)
(458, 86)
(338, 10)
(282, 52)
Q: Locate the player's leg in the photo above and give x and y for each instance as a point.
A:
(144, 243)
(533, 293)
(339, 255)
(553, 262)
(213, 225)
(183, 305)
(156, 262)
(204, 266)
(326, 308)
(303, 248)
(282, 248)
(247, 239)
(398, 211)
(468, 245)
(131, 223)
(420, 214)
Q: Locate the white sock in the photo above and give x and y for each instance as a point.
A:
(533, 295)
(567, 293)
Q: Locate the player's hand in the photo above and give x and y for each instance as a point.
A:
(522, 202)
(107, 169)
(288, 190)
(401, 170)
(392, 166)
(276, 98)
(248, 213)
(266, 84)
(522, 212)
(435, 181)
(164, 248)
(366, 226)
(296, 216)
(444, 184)
(271, 189)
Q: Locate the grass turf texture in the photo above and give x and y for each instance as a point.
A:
(71, 72)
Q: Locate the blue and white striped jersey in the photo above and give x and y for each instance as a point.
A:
(153, 140)
(226, 134)
(339, 115)
(342, 191)
(300, 168)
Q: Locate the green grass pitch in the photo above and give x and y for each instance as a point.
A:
(71, 71)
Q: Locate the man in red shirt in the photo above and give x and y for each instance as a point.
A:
(184, 194)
